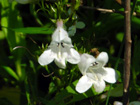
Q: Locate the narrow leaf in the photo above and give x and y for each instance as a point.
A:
(34, 30)
(10, 72)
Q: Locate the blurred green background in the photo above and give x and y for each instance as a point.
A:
(25, 32)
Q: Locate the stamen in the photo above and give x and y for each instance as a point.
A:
(95, 63)
(62, 44)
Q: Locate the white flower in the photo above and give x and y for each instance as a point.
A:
(117, 103)
(60, 50)
(94, 73)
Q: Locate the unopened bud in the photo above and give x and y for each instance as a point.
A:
(59, 23)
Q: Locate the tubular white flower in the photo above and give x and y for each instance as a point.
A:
(94, 73)
(59, 52)
(60, 49)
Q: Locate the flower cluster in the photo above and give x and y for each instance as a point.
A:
(94, 73)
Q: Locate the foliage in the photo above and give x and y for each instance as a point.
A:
(25, 32)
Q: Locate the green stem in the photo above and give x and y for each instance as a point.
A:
(59, 9)
(27, 92)
(18, 68)
(34, 13)
(108, 95)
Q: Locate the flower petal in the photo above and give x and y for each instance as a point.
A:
(59, 34)
(85, 62)
(99, 85)
(83, 84)
(46, 57)
(99, 71)
(110, 76)
(60, 62)
(118, 103)
(102, 58)
(67, 41)
(73, 56)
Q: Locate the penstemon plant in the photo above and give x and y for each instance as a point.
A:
(48, 57)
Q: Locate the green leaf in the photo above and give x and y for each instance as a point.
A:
(80, 25)
(72, 30)
(34, 30)
(117, 91)
(119, 36)
(10, 72)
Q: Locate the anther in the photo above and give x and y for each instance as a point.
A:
(62, 45)
(95, 63)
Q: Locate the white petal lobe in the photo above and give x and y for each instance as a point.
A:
(83, 84)
(46, 57)
(102, 58)
(73, 56)
(99, 85)
(111, 75)
(60, 63)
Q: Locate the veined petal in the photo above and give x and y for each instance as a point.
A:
(59, 34)
(99, 85)
(73, 56)
(46, 57)
(85, 62)
(83, 84)
(60, 62)
(102, 58)
(110, 76)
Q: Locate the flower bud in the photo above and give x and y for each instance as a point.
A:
(59, 23)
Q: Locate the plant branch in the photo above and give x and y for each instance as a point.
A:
(108, 10)
(102, 10)
(127, 53)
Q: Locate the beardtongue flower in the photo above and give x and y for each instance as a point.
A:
(94, 73)
(60, 49)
